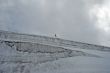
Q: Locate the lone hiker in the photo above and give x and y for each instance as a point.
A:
(55, 35)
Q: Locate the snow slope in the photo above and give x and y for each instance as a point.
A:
(22, 53)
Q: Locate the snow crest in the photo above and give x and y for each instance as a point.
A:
(22, 53)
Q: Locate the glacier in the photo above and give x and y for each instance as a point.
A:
(25, 53)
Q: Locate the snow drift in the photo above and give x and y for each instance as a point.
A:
(22, 53)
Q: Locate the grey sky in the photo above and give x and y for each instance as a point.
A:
(79, 20)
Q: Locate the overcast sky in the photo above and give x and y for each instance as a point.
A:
(78, 20)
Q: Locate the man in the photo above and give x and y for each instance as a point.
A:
(55, 35)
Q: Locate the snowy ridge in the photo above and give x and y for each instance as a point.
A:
(11, 36)
(22, 53)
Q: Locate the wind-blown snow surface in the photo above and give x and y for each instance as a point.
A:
(21, 53)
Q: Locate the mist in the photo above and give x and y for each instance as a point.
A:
(79, 20)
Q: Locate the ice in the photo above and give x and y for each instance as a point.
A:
(22, 53)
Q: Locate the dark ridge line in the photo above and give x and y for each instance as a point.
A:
(31, 43)
(64, 49)
(12, 41)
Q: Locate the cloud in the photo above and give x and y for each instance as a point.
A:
(101, 14)
(70, 19)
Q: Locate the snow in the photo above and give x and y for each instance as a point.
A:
(21, 53)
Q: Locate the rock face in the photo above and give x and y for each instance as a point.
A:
(20, 52)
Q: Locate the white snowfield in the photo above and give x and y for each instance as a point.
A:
(22, 53)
